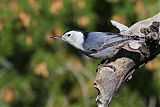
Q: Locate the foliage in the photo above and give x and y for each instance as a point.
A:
(36, 71)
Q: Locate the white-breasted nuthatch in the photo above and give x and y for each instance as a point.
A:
(101, 45)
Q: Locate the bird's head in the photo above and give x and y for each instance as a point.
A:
(73, 37)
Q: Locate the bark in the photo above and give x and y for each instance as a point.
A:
(132, 55)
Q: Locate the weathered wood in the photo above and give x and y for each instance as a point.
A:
(132, 55)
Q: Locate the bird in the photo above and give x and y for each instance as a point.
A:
(100, 45)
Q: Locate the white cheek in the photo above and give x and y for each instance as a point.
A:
(80, 40)
(75, 41)
(79, 43)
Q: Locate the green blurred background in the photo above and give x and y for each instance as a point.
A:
(36, 71)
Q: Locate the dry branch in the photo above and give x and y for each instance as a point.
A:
(132, 55)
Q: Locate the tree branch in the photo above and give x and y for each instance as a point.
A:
(132, 55)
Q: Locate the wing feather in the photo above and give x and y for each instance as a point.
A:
(101, 40)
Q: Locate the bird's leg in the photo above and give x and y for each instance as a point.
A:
(101, 64)
(104, 64)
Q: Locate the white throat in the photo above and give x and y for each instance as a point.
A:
(79, 44)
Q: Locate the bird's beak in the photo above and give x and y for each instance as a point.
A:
(56, 37)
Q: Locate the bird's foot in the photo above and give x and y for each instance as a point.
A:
(104, 64)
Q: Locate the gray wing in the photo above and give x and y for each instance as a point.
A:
(100, 40)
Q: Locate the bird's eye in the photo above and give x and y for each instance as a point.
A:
(68, 35)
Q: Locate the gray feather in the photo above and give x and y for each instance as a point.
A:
(102, 44)
(99, 40)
